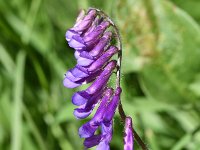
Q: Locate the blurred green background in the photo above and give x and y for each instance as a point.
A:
(160, 73)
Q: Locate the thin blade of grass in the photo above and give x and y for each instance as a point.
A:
(17, 103)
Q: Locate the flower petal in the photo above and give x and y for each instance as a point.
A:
(76, 72)
(80, 98)
(103, 59)
(77, 43)
(69, 34)
(111, 108)
(81, 113)
(86, 22)
(87, 130)
(92, 141)
(70, 84)
(86, 109)
(92, 37)
(103, 146)
(98, 117)
(84, 61)
(101, 81)
(99, 48)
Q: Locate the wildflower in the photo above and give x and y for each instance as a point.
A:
(91, 41)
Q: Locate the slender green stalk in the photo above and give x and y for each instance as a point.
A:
(17, 103)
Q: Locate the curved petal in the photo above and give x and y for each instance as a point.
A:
(80, 98)
(101, 81)
(77, 43)
(99, 63)
(87, 130)
(84, 23)
(92, 141)
(99, 48)
(70, 84)
(69, 34)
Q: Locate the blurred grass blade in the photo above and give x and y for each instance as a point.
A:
(182, 142)
(6, 60)
(34, 129)
(18, 100)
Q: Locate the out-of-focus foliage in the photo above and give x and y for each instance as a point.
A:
(160, 73)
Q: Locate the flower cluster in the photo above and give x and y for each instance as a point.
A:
(90, 37)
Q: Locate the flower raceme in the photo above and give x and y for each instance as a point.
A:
(91, 37)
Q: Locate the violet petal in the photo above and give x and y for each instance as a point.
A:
(92, 141)
(92, 37)
(77, 43)
(112, 105)
(80, 98)
(99, 48)
(102, 79)
(86, 109)
(70, 84)
(85, 22)
(103, 59)
(87, 130)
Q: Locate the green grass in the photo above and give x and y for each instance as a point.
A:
(160, 73)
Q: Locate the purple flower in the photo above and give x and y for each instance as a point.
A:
(85, 109)
(101, 45)
(107, 132)
(103, 59)
(83, 22)
(91, 40)
(128, 135)
(80, 98)
(76, 77)
(90, 127)
(112, 106)
(87, 31)
(102, 141)
(103, 117)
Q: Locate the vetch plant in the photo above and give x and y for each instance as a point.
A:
(92, 37)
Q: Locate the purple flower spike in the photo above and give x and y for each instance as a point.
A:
(103, 78)
(128, 135)
(103, 59)
(90, 127)
(91, 39)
